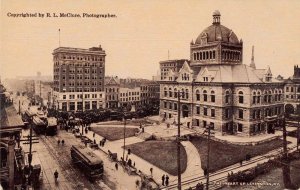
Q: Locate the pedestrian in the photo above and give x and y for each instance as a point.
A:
(58, 142)
(94, 134)
(151, 171)
(85, 143)
(56, 175)
(163, 180)
(126, 157)
(167, 180)
(63, 142)
(94, 141)
(116, 165)
(241, 162)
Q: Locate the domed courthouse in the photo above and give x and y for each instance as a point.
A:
(217, 89)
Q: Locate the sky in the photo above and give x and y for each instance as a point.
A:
(143, 32)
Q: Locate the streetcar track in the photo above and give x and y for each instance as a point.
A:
(70, 173)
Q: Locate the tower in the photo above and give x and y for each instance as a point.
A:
(252, 64)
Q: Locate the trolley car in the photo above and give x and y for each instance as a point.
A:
(87, 161)
(39, 126)
(52, 126)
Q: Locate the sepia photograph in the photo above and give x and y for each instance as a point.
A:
(150, 95)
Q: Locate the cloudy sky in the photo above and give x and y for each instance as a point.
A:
(143, 32)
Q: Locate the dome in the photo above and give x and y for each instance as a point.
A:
(217, 32)
(216, 13)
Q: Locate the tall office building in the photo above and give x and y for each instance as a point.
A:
(78, 78)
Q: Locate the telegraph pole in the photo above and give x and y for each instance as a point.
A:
(208, 152)
(178, 144)
(124, 137)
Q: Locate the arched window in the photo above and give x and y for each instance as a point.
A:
(212, 96)
(186, 93)
(204, 95)
(204, 55)
(276, 95)
(197, 95)
(214, 54)
(254, 98)
(175, 92)
(210, 54)
(227, 97)
(258, 98)
(198, 55)
(201, 55)
(165, 92)
(270, 96)
(266, 97)
(195, 56)
(207, 56)
(182, 94)
(170, 92)
(241, 97)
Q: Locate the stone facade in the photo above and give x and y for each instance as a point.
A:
(216, 89)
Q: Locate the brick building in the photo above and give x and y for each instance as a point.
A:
(217, 89)
(78, 78)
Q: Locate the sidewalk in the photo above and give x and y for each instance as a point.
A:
(48, 165)
(140, 164)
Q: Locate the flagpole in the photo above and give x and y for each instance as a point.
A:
(59, 37)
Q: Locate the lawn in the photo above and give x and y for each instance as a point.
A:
(134, 122)
(162, 154)
(223, 154)
(114, 133)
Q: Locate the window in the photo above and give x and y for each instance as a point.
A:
(165, 92)
(205, 96)
(212, 96)
(186, 93)
(241, 97)
(170, 106)
(198, 95)
(175, 93)
(64, 97)
(197, 110)
(227, 96)
(254, 98)
(240, 127)
(165, 104)
(227, 112)
(212, 112)
(205, 111)
(241, 114)
(204, 123)
(175, 106)
(258, 98)
(170, 92)
(287, 89)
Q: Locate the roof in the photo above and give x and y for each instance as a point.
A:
(239, 73)
(87, 154)
(10, 118)
(218, 32)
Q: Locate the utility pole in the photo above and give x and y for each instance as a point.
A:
(178, 143)
(19, 107)
(124, 137)
(208, 152)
